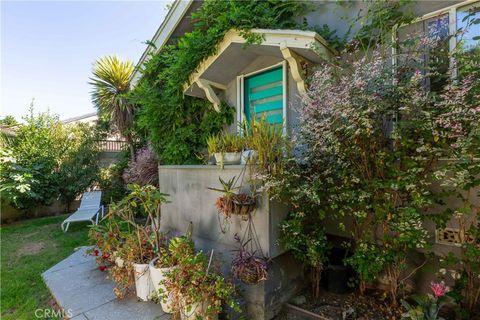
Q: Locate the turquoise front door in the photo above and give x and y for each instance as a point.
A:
(263, 94)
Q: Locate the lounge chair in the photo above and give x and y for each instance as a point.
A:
(89, 210)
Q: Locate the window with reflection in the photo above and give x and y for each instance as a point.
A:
(468, 41)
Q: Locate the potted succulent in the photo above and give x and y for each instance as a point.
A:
(246, 266)
(230, 202)
(224, 203)
(226, 148)
(197, 290)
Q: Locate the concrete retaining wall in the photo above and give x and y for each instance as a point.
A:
(191, 201)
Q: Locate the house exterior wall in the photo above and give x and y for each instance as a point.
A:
(336, 17)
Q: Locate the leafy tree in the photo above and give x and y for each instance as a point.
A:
(79, 168)
(111, 83)
(8, 121)
(47, 161)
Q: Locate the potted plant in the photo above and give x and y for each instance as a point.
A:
(230, 202)
(243, 205)
(145, 241)
(246, 266)
(164, 263)
(197, 290)
(224, 203)
(226, 148)
(137, 253)
(269, 144)
(249, 155)
(109, 238)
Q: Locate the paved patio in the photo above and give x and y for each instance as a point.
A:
(79, 287)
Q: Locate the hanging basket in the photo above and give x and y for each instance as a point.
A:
(243, 205)
(225, 205)
(251, 274)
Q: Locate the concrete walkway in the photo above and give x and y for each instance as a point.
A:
(84, 292)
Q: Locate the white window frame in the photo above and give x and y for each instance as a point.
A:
(240, 91)
(452, 27)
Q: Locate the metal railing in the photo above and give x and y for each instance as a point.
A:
(111, 145)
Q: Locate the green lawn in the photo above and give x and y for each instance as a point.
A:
(28, 248)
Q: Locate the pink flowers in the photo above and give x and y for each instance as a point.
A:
(102, 268)
(439, 289)
(95, 252)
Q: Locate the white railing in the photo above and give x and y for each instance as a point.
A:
(111, 145)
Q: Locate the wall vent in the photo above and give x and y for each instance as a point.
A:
(450, 236)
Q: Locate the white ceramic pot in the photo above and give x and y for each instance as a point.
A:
(157, 275)
(228, 158)
(195, 311)
(249, 155)
(143, 283)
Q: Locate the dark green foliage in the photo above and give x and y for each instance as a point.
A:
(178, 126)
(80, 168)
(111, 181)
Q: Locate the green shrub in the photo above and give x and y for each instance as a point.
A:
(47, 161)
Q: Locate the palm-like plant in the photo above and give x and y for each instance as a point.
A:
(111, 83)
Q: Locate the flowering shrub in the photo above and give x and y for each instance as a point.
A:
(375, 139)
(143, 169)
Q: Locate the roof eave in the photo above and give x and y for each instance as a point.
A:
(162, 35)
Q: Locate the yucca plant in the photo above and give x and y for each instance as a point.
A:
(111, 83)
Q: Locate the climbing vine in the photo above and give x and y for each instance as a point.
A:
(178, 125)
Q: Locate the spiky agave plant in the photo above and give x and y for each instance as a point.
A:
(111, 83)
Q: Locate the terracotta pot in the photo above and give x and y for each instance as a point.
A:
(158, 275)
(143, 283)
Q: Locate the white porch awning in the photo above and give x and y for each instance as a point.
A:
(232, 56)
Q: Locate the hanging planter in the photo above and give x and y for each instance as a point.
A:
(243, 205)
(246, 266)
(232, 203)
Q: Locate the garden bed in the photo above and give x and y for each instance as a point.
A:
(333, 306)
